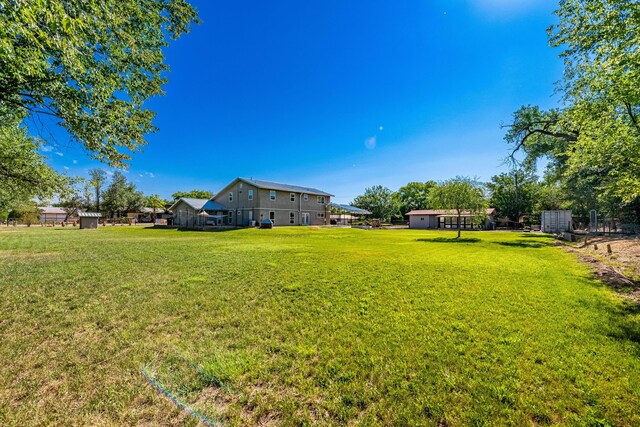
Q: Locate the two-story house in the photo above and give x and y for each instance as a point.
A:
(249, 200)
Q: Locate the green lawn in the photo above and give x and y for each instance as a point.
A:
(296, 326)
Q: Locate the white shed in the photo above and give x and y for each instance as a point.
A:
(556, 221)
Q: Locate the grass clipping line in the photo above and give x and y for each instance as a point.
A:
(200, 416)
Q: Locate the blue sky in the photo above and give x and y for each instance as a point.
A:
(341, 95)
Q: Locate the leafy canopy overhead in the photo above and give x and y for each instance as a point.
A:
(598, 131)
(91, 65)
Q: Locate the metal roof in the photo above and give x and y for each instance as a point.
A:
(194, 203)
(284, 187)
(445, 212)
(89, 214)
(52, 210)
(214, 206)
(199, 204)
(351, 209)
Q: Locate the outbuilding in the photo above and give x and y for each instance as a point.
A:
(448, 219)
(557, 221)
(89, 219)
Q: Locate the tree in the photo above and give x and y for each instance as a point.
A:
(24, 174)
(155, 202)
(121, 196)
(379, 200)
(598, 130)
(97, 179)
(513, 194)
(460, 195)
(193, 194)
(414, 195)
(90, 65)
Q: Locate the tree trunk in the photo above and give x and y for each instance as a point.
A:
(459, 223)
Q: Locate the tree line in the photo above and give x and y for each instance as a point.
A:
(517, 196)
(59, 62)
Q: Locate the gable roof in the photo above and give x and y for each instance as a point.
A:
(192, 203)
(351, 209)
(89, 214)
(490, 211)
(268, 185)
(199, 204)
(52, 210)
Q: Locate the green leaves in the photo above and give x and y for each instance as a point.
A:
(92, 64)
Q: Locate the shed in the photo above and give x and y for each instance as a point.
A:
(557, 221)
(89, 219)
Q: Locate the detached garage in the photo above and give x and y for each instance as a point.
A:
(89, 219)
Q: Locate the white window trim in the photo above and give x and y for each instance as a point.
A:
(272, 195)
(305, 196)
(292, 197)
(231, 196)
(250, 194)
(292, 217)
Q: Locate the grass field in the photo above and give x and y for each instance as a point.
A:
(297, 326)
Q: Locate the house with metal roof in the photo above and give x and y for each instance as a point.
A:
(448, 219)
(188, 212)
(251, 200)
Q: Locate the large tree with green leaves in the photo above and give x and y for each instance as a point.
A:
(379, 201)
(513, 194)
(24, 174)
(597, 132)
(97, 180)
(414, 195)
(460, 195)
(121, 196)
(90, 65)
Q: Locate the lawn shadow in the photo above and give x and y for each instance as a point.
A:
(537, 236)
(524, 244)
(449, 240)
(202, 229)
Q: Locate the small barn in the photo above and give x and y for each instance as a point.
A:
(52, 214)
(89, 219)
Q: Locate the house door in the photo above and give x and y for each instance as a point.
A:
(305, 218)
(250, 217)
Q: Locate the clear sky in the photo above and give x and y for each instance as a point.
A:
(341, 95)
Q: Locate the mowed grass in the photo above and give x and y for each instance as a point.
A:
(309, 326)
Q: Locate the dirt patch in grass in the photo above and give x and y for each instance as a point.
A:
(614, 274)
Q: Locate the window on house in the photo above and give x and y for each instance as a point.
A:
(231, 196)
(272, 195)
(321, 200)
(292, 197)
(241, 186)
(320, 215)
(292, 217)
(305, 196)
(250, 194)
(272, 216)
